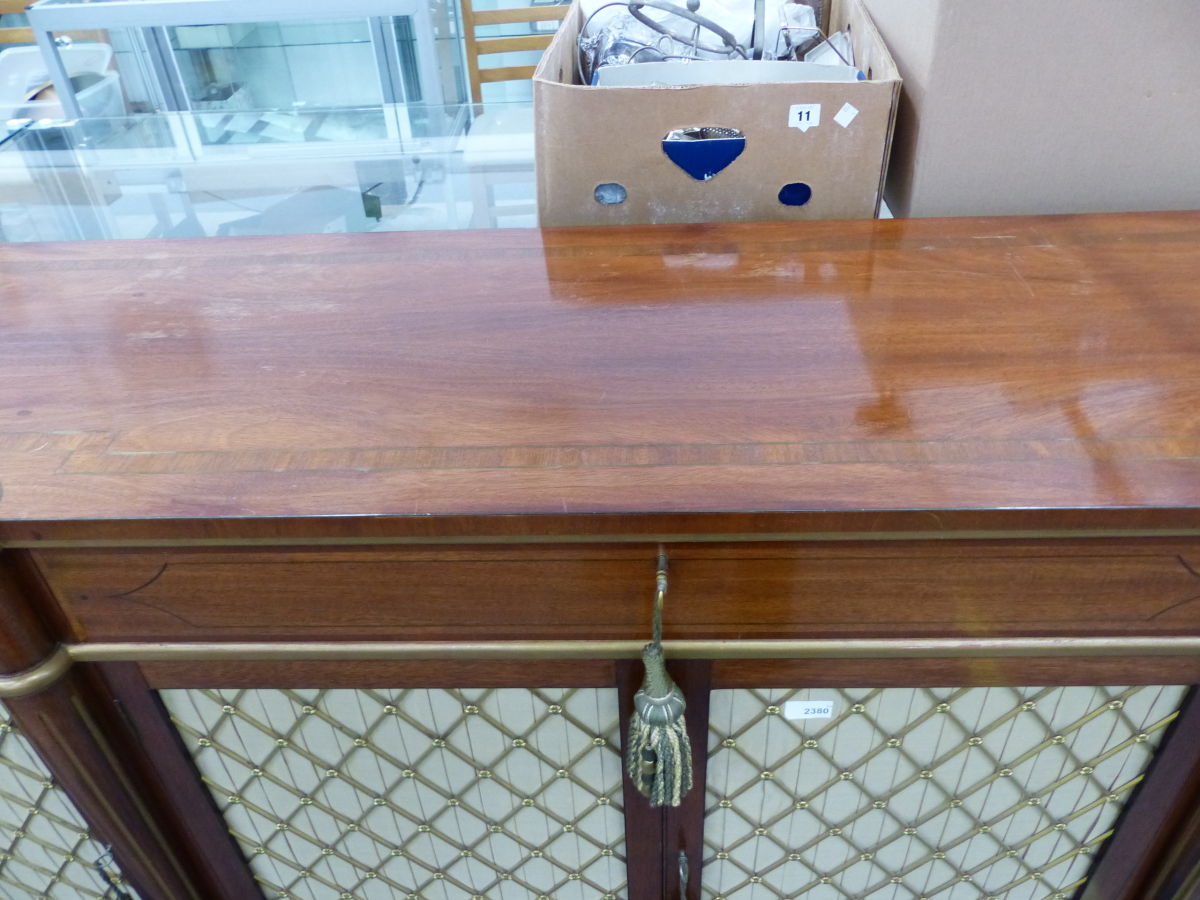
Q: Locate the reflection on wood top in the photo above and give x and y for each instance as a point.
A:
(1040, 372)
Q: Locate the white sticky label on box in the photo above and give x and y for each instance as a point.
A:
(804, 116)
(845, 115)
(809, 709)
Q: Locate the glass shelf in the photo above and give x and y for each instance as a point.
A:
(269, 35)
(220, 173)
(259, 54)
(264, 65)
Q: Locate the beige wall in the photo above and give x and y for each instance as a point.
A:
(1030, 106)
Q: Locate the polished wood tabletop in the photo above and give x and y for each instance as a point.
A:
(904, 375)
(911, 453)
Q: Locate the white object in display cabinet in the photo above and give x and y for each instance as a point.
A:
(152, 18)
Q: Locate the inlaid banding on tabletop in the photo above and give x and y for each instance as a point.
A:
(53, 441)
(1031, 370)
(99, 462)
(222, 257)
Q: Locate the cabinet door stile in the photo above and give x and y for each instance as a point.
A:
(180, 783)
(644, 824)
(1155, 848)
(684, 825)
(75, 727)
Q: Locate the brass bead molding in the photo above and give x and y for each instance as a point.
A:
(737, 649)
(633, 649)
(48, 671)
(36, 678)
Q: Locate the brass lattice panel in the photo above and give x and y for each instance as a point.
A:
(505, 794)
(45, 848)
(954, 793)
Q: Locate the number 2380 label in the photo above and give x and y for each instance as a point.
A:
(808, 709)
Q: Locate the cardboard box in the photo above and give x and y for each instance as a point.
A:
(1028, 107)
(592, 136)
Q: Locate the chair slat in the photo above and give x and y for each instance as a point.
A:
(513, 44)
(476, 46)
(506, 73)
(523, 14)
(16, 35)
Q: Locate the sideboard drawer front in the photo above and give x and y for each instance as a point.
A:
(352, 595)
(883, 589)
(604, 592)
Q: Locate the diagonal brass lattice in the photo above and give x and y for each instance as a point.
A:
(45, 849)
(504, 794)
(955, 793)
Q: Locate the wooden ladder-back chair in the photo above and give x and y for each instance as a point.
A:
(24, 34)
(15, 35)
(477, 47)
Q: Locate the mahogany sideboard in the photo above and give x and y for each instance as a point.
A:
(878, 455)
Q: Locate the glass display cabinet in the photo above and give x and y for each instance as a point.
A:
(209, 174)
(238, 55)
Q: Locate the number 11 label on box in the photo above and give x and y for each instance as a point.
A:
(808, 709)
(804, 116)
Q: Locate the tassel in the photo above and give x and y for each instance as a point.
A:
(658, 754)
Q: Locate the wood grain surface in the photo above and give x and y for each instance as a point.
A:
(643, 823)
(912, 375)
(977, 588)
(1154, 851)
(683, 825)
(27, 636)
(497, 428)
(80, 735)
(363, 675)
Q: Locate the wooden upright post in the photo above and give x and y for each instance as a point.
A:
(84, 739)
